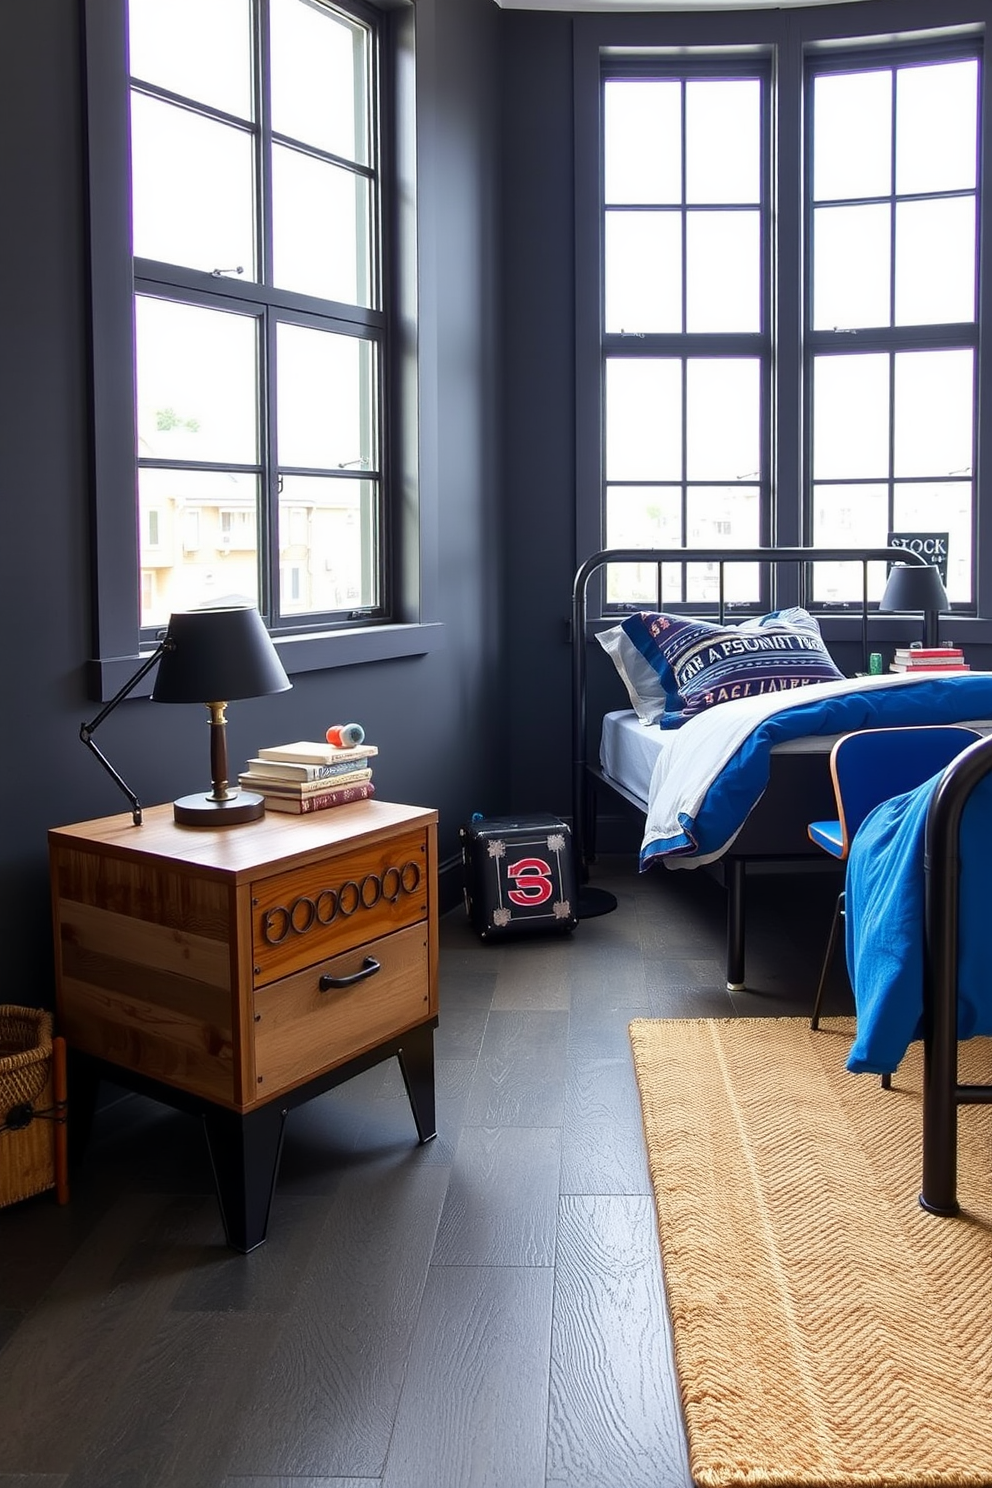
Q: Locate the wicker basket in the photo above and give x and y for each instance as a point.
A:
(32, 1105)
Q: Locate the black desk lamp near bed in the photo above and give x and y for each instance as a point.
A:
(916, 587)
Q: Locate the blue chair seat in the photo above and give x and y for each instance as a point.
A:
(828, 835)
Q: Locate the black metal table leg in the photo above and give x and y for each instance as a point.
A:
(416, 1057)
(735, 924)
(245, 1152)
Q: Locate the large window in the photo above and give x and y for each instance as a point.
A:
(788, 263)
(685, 318)
(251, 251)
(892, 331)
(257, 317)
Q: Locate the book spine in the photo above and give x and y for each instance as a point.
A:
(307, 753)
(321, 801)
(937, 670)
(302, 774)
(279, 787)
(938, 653)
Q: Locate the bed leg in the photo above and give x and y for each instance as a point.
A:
(938, 1193)
(735, 924)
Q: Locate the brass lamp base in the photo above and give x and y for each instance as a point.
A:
(204, 811)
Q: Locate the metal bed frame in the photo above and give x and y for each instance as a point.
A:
(942, 1092)
(799, 790)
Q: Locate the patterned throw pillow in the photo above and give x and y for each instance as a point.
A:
(699, 664)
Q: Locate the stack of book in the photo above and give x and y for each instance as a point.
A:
(929, 659)
(309, 776)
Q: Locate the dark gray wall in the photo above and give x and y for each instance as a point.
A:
(540, 435)
(433, 718)
(539, 397)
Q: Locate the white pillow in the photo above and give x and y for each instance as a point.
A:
(647, 696)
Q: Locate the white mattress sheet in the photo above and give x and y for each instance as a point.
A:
(629, 749)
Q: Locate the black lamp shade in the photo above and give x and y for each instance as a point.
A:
(216, 656)
(914, 587)
(919, 588)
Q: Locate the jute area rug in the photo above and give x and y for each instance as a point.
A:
(826, 1329)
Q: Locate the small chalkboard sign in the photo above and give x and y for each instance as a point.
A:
(930, 545)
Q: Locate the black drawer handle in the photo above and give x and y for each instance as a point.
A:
(330, 983)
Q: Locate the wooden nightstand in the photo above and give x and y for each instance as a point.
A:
(236, 973)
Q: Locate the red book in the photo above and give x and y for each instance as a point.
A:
(320, 800)
(910, 653)
(937, 667)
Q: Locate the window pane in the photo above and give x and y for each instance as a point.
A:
(852, 135)
(196, 383)
(215, 69)
(205, 548)
(192, 188)
(327, 539)
(326, 399)
(643, 256)
(934, 392)
(643, 140)
(643, 517)
(320, 228)
(931, 506)
(319, 78)
(723, 271)
(852, 249)
(936, 127)
(722, 517)
(850, 416)
(723, 140)
(643, 419)
(935, 261)
(849, 517)
(723, 419)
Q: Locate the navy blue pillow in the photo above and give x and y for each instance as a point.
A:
(700, 664)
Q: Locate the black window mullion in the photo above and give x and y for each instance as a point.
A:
(685, 216)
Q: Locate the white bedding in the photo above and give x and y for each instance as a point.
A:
(629, 750)
(673, 772)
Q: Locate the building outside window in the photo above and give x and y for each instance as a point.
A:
(806, 374)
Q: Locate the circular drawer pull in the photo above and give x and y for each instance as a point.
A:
(369, 968)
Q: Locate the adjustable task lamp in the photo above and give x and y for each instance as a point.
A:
(916, 587)
(210, 657)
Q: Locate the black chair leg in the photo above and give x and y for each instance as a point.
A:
(835, 923)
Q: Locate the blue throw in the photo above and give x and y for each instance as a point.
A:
(703, 824)
(884, 925)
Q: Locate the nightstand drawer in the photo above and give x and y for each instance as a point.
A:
(302, 917)
(302, 1030)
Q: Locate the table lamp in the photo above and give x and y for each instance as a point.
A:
(209, 656)
(916, 587)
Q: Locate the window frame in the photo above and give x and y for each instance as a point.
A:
(409, 518)
(791, 37)
(686, 346)
(893, 339)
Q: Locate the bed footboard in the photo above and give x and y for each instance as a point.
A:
(942, 1092)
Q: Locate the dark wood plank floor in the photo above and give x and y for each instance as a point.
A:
(486, 1311)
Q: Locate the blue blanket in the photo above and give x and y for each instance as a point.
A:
(884, 925)
(696, 821)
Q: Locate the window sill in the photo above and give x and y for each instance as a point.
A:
(298, 654)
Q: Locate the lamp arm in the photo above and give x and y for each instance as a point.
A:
(87, 730)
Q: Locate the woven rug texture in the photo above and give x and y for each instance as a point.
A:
(827, 1330)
